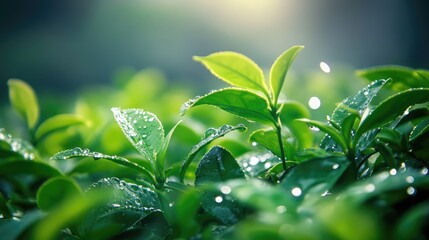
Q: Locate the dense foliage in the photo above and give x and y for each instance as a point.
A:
(366, 179)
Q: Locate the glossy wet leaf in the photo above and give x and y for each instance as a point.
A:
(235, 69)
(12, 167)
(329, 130)
(163, 152)
(55, 191)
(255, 164)
(241, 103)
(412, 223)
(15, 148)
(390, 108)
(14, 229)
(57, 123)
(79, 152)
(210, 135)
(420, 129)
(402, 77)
(269, 139)
(291, 110)
(317, 175)
(218, 165)
(357, 104)
(406, 180)
(143, 130)
(280, 68)
(24, 100)
(129, 204)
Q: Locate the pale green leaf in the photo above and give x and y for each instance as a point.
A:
(24, 100)
(57, 123)
(235, 69)
(280, 68)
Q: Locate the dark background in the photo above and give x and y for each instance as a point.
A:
(67, 45)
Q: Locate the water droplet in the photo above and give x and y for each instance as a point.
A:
(313, 128)
(370, 188)
(335, 166)
(403, 167)
(267, 165)
(254, 160)
(144, 127)
(15, 146)
(151, 119)
(281, 209)
(245, 164)
(225, 189)
(366, 93)
(409, 179)
(218, 199)
(424, 171)
(143, 136)
(170, 204)
(393, 172)
(116, 205)
(325, 193)
(328, 117)
(97, 155)
(325, 67)
(411, 191)
(314, 103)
(296, 191)
(254, 144)
(134, 121)
(248, 169)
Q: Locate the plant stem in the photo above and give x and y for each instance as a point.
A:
(282, 150)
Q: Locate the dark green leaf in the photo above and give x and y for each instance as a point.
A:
(235, 69)
(13, 229)
(210, 135)
(352, 106)
(402, 77)
(269, 139)
(12, 167)
(24, 101)
(412, 223)
(217, 166)
(317, 175)
(129, 204)
(242, 103)
(280, 68)
(79, 152)
(13, 148)
(55, 191)
(255, 164)
(420, 129)
(143, 130)
(391, 108)
(58, 122)
(329, 130)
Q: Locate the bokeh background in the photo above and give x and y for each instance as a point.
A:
(65, 46)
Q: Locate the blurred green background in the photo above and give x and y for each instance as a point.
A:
(64, 47)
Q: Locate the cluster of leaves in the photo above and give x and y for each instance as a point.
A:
(367, 179)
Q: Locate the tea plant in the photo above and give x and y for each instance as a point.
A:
(367, 179)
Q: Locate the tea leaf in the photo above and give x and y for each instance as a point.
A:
(79, 152)
(210, 135)
(291, 110)
(235, 69)
(280, 68)
(355, 104)
(420, 129)
(391, 108)
(14, 229)
(402, 77)
(241, 103)
(317, 175)
(218, 165)
(56, 123)
(24, 100)
(55, 191)
(12, 148)
(143, 130)
(255, 164)
(13, 167)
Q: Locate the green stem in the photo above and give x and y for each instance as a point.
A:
(282, 150)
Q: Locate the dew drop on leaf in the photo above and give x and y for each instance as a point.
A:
(225, 189)
(335, 166)
(393, 172)
(218, 199)
(370, 188)
(411, 191)
(409, 179)
(296, 191)
(281, 209)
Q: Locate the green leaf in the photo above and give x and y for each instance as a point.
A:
(79, 152)
(412, 224)
(317, 175)
(13, 148)
(14, 229)
(143, 130)
(57, 123)
(218, 165)
(329, 130)
(128, 204)
(255, 164)
(280, 68)
(291, 110)
(402, 77)
(24, 101)
(55, 191)
(353, 105)
(406, 181)
(241, 103)
(12, 167)
(235, 69)
(163, 152)
(420, 129)
(210, 135)
(269, 139)
(391, 108)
